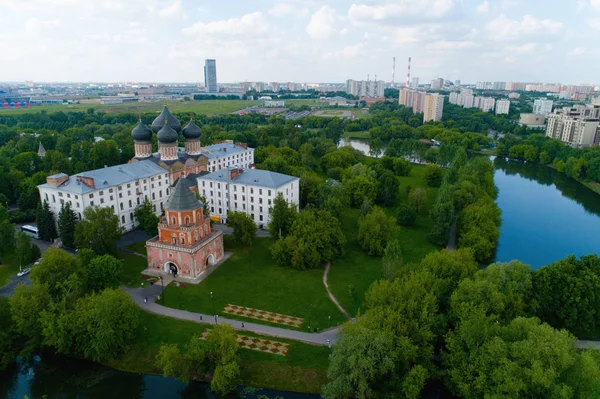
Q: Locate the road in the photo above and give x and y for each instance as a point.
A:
(9, 289)
(151, 292)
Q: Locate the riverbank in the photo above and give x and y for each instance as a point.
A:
(304, 369)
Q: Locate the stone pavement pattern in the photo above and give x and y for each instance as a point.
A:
(263, 315)
(325, 337)
(257, 344)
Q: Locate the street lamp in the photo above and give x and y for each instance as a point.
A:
(309, 315)
(329, 317)
(329, 344)
(162, 290)
(213, 306)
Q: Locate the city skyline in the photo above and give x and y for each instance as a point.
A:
(302, 41)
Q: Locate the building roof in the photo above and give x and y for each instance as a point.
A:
(108, 177)
(141, 133)
(166, 115)
(192, 131)
(182, 199)
(167, 134)
(221, 150)
(253, 177)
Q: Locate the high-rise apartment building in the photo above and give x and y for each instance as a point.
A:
(542, 106)
(577, 126)
(406, 98)
(468, 100)
(487, 104)
(415, 83)
(418, 102)
(210, 76)
(457, 82)
(502, 107)
(433, 108)
(437, 84)
(453, 98)
(365, 88)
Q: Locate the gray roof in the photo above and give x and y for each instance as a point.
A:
(221, 150)
(254, 177)
(109, 177)
(182, 199)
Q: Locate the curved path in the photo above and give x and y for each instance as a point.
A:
(326, 337)
(333, 299)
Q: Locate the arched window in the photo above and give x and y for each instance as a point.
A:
(187, 220)
(131, 216)
(173, 240)
(174, 220)
(123, 219)
(196, 235)
(182, 239)
(198, 217)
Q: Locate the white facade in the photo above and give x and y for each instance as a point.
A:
(122, 188)
(251, 191)
(468, 100)
(542, 106)
(577, 126)
(228, 155)
(502, 107)
(365, 88)
(433, 108)
(437, 84)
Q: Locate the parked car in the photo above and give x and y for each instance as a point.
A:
(24, 272)
(37, 262)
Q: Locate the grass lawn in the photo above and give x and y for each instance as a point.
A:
(133, 266)
(8, 268)
(361, 270)
(139, 247)
(357, 135)
(251, 278)
(302, 370)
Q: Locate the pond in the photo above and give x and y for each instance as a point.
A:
(546, 216)
(53, 377)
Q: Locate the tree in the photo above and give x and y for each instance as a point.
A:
(417, 199)
(567, 293)
(105, 153)
(45, 222)
(104, 272)
(244, 228)
(433, 175)
(25, 307)
(7, 232)
(406, 215)
(222, 357)
(67, 219)
(361, 189)
(478, 228)
(360, 363)
(522, 359)
(29, 196)
(99, 231)
(283, 215)
(392, 260)
(402, 167)
(315, 238)
(442, 216)
(502, 290)
(9, 348)
(103, 324)
(54, 270)
(172, 363)
(388, 185)
(375, 230)
(146, 217)
(26, 252)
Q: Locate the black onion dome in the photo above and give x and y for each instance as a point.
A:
(141, 133)
(167, 134)
(165, 115)
(192, 131)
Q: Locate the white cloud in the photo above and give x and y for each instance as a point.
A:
(448, 45)
(35, 25)
(287, 9)
(503, 28)
(595, 4)
(594, 23)
(525, 48)
(248, 25)
(484, 7)
(324, 23)
(171, 10)
(401, 10)
(346, 52)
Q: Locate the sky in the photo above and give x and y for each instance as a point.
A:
(299, 40)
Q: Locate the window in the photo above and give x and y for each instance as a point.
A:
(210, 184)
(121, 206)
(120, 188)
(60, 195)
(101, 192)
(137, 183)
(219, 185)
(251, 199)
(101, 200)
(138, 200)
(120, 195)
(260, 200)
(260, 191)
(77, 197)
(144, 181)
(243, 198)
(261, 218)
(131, 216)
(212, 209)
(153, 196)
(173, 220)
(243, 189)
(91, 203)
(269, 201)
(123, 219)
(160, 193)
(77, 204)
(269, 193)
(252, 209)
(111, 198)
(234, 196)
(154, 208)
(173, 240)
(91, 195)
(220, 211)
(187, 220)
(46, 196)
(62, 201)
(129, 193)
(251, 190)
(261, 209)
(110, 190)
(130, 204)
(128, 185)
(234, 187)
(203, 183)
(68, 195)
(244, 206)
(112, 207)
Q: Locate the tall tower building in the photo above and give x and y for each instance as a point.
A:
(433, 108)
(210, 76)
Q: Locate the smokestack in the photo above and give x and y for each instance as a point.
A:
(393, 70)
(408, 74)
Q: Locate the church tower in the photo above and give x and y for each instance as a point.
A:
(168, 128)
(192, 134)
(186, 245)
(142, 141)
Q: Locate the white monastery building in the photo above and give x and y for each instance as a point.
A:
(251, 191)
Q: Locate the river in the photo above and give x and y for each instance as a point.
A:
(546, 215)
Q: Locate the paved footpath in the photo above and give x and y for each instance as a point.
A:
(333, 299)
(326, 337)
